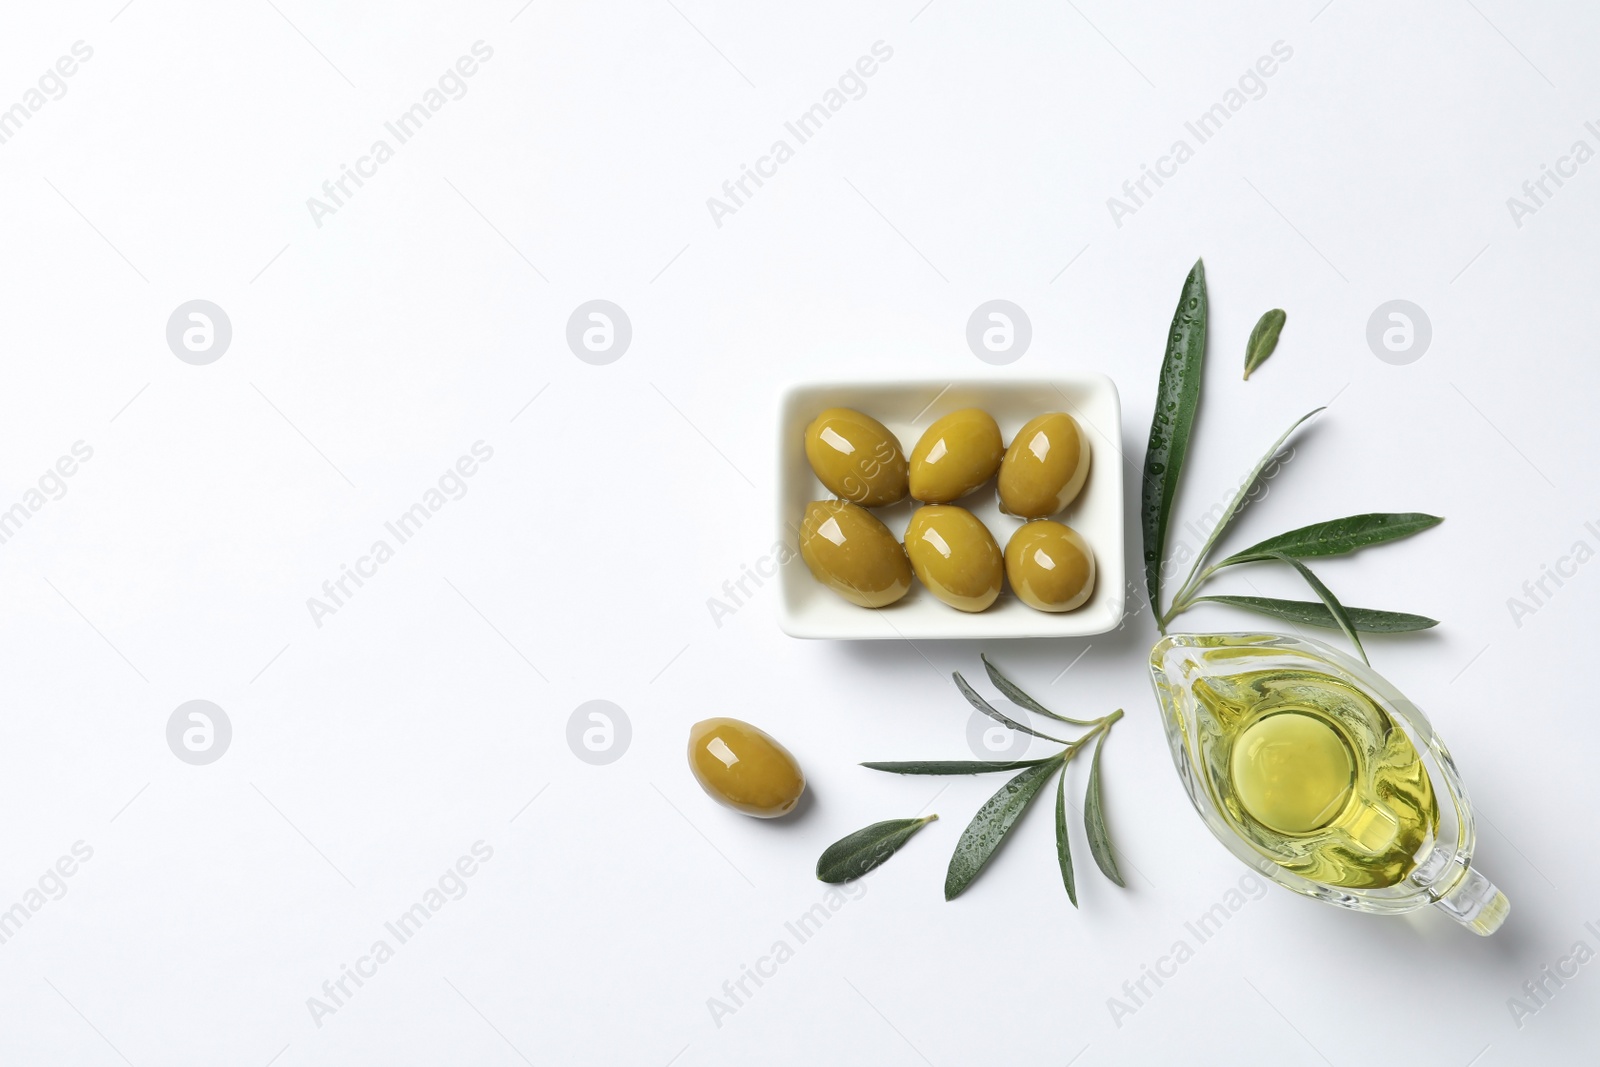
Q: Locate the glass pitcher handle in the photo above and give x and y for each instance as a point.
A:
(1475, 903)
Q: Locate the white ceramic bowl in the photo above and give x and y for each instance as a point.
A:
(809, 609)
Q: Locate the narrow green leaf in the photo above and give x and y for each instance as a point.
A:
(854, 855)
(1094, 820)
(1337, 536)
(1315, 613)
(1021, 699)
(1063, 850)
(994, 713)
(1334, 607)
(955, 766)
(1237, 504)
(1263, 339)
(989, 827)
(1177, 398)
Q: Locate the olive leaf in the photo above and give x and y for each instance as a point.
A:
(855, 854)
(1063, 849)
(1177, 398)
(1023, 700)
(954, 766)
(1337, 537)
(994, 713)
(1263, 339)
(1315, 613)
(1094, 820)
(991, 825)
(1335, 608)
(1235, 505)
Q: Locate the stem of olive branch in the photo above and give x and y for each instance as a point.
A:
(1184, 599)
(1101, 725)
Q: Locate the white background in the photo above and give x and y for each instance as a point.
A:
(371, 752)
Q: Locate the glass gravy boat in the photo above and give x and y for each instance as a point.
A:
(1317, 772)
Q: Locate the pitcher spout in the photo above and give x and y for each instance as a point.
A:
(1475, 903)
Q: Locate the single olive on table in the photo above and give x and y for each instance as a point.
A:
(856, 457)
(955, 556)
(1045, 467)
(744, 768)
(1049, 566)
(954, 456)
(848, 550)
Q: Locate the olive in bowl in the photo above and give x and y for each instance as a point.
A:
(955, 455)
(1049, 566)
(848, 550)
(1045, 467)
(955, 556)
(856, 457)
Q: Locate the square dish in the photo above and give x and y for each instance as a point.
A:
(809, 609)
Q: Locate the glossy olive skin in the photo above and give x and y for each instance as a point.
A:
(1045, 467)
(1050, 567)
(848, 550)
(856, 457)
(743, 768)
(955, 556)
(955, 455)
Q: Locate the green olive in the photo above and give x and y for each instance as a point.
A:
(744, 768)
(848, 550)
(955, 556)
(955, 455)
(1049, 566)
(856, 457)
(1045, 466)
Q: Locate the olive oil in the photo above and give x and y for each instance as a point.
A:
(1315, 776)
(1316, 771)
